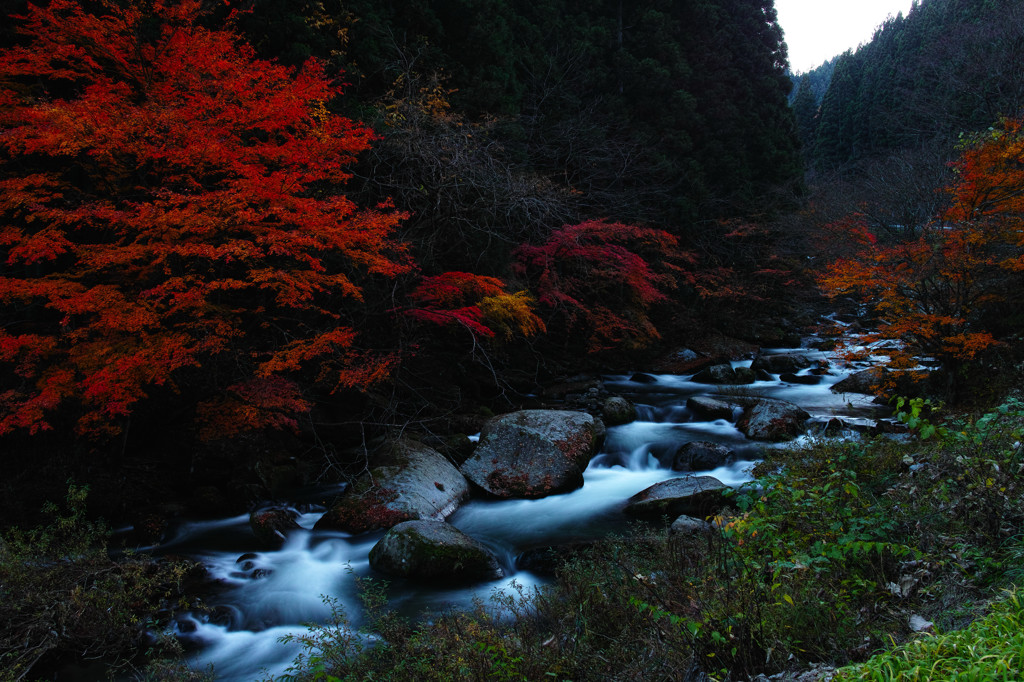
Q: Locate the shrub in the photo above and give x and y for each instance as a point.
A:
(63, 599)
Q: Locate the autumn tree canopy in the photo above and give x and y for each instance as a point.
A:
(598, 281)
(170, 202)
(948, 288)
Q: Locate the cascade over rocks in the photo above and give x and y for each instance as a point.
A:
(702, 456)
(534, 453)
(412, 482)
(433, 551)
(772, 420)
(698, 496)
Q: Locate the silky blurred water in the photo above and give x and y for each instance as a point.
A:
(263, 596)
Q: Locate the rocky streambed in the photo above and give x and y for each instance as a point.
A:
(444, 534)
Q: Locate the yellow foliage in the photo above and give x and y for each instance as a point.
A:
(511, 315)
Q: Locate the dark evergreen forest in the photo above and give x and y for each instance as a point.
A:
(949, 68)
(663, 112)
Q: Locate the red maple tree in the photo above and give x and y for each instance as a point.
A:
(599, 281)
(168, 202)
(477, 303)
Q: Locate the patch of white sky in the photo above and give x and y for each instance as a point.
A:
(817, 30)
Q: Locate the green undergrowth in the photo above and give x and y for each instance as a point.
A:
(66, 604)
(823, 559)
(989, 649)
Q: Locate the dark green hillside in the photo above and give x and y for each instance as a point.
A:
(949, 66)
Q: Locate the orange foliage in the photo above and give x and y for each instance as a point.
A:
(935, 288)
(168, 200)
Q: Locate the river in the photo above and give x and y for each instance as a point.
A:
(264, 595)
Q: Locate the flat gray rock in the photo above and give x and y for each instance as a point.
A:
(710, 408)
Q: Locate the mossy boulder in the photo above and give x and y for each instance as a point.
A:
(698, 496)
(271, 525)
(433, 551)
(410, 481)
(534, 453)
(617, 410)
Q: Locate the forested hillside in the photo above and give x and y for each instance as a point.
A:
(663, 111)
(948, 67)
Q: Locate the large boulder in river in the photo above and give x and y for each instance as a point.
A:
(780, 364)
(702, 456)
(617, 410)
(802, 379)
(433, 551)
(698, 496)
(772, 420)
(534, 453)
(270, 525)
(410, 481)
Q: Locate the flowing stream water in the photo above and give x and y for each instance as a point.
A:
(264, 595)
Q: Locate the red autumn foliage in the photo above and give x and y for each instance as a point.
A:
(599, 280)
(938, 287)
(168, 201)
(451, 299)
(475, 302)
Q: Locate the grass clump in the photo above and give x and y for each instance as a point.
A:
(64, 600)
(989, 649)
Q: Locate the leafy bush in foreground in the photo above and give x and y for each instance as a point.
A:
(63, 599)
